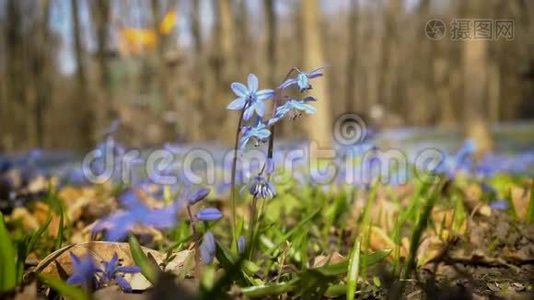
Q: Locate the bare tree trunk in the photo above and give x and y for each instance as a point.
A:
(476, 70)
(270, 32)
(388, 52)
(101, 12)
(318, 126)
(85, 129)
(198, 92)
(41, 69)
(352, 60)
(17, 94)
(223, 66)
(164, 76)
(243, 40)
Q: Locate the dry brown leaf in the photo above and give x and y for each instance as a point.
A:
(322, 260)
(520, 198)
(379, 240)
(29, 222)
(429, 249)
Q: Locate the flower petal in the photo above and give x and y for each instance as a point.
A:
(287, 83)
(259, 107)
(128, 269)
(124, 285)
(264, 94)
(243, 142)
(237, 104)
(249, 112)
(239, 89)
(316, 72)
(252, 82)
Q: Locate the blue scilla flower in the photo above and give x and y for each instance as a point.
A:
(293, 109)
(118, 225)
(84, 271)
(303, 79)
(114, 272)
(209, 214)
(262, 188)
(249, 97)
(197, 195)
(260, 132)
(208, 248)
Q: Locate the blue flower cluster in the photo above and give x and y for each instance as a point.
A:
(256, 125)
(85, 271)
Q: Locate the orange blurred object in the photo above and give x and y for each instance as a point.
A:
(134, 41)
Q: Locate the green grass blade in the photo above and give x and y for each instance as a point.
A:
(148, 269)
(297, 228)
(341, 267)
(8, 259)
(262, 291)
(63, 288)
(353, 272)
(59, 237)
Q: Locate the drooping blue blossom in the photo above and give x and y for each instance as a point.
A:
(258, 133)
(114, 272)
(303, 79)
(198, 195)
(208, 248)
(293, 109)
(249, 98)
(262, 188)
(118, 225)
(209, 214)
(84, 271)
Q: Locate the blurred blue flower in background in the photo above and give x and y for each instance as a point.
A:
(118, 225)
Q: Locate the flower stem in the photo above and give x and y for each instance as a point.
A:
(196, 238)
(251, 227)
(233, 179)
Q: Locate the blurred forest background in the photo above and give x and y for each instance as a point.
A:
(68, 68)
